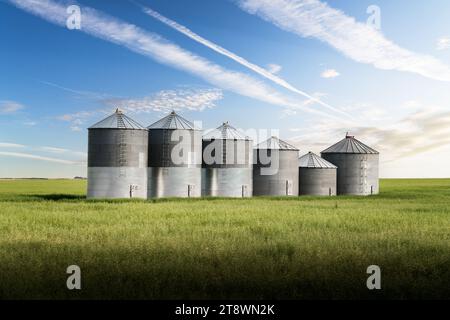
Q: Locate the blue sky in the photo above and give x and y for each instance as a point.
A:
(389, 87)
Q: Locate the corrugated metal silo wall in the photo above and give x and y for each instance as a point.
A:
(317, 181)
(117, 163)
(357, 174)
(178, 176)
(281, 182)
(233, 177)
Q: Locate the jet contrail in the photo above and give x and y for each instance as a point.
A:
(130, 36)
(261, 71)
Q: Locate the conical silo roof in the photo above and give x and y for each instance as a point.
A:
(350, 145)
(172, 121)
(312, 160)
(117, 121)
(276, 143)
(225, 132)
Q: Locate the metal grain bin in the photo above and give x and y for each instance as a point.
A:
(117, 158)
(317, 177)
(275, 171)
(174, 158)
(227, 163)
(357, 172)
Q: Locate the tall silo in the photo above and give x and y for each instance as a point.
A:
(117, 158)
(275, 171)
(317, 177)
(174, 158)
(227, 163)
(357, 172)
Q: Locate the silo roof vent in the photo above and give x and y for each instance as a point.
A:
(312, 160)
(172, 121)
(118, 120)
(276, 143)
(350, 145)
(225, 132)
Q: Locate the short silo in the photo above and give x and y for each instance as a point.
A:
(227, 163)
(317, 177)
(357, 172)
(275, 171)
(174, 158)
(117, 158)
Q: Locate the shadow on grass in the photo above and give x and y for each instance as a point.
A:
(58, 197)
(263, 273)
(41, 197)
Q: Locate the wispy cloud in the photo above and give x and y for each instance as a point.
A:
(443, 43)
(54, 150)
(76, 128)
(78, 119)
(30, 123)
(356, 40)
(274, 68)
(76, 115)
(40, 153)
(166, 100)
(57, 150)
(81, 93)
(11, 145)
(422, 131)
(194, 99)
(10, 107)
(259, 70)
(37, 157)
(152, 45)
(329, 74)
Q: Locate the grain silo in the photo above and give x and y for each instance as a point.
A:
(227, 163)
(117, 158)
(275, 171)
(357, 172)
(317, 177)
(174, 158)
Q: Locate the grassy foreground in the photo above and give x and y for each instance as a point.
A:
(257, 248)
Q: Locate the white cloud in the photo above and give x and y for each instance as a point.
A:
(54, 150)
(443, 43)
(77, 119)
(11, 145)
(76, 128)
(43, 149)
(57, 150)
(356, 40)
(166, 100)
(274, 68)
(77, 116)
(37, 157)
(329, 74)
(259, 70)
(422, 131)
(9, 107)
(411, 104)
(154, 46)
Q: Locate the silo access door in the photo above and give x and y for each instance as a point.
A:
(191, 190)
(244, 191)
(133, 188)
(289, 187)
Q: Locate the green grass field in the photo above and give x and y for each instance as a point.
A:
(259, 248)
